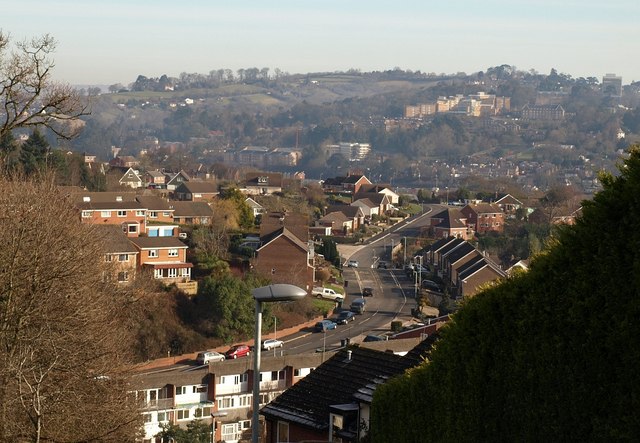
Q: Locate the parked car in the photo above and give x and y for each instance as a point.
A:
(203, 358)
(272, 343)
(431, 285)
(358, 305)
(325, 325)
(352, 264)
(237, 351)
(327, 293)
(345, 317)
(382, 265)
(370, 338)
(367, 291)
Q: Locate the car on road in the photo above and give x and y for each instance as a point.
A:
(431, 285)
(203, 358)
(370, 338)
(358, 306)
(367, 291)
(327, 293)
(237, 351)
(345, 317)
(325, 325)
(352, 264)
(382, 265)
(272, 343)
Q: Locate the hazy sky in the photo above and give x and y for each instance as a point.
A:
(113, 41)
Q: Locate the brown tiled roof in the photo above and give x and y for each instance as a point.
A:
(109, 206)
(190, 209)
(153, 202)
(348, 210)
(115, 240)
(195, 187)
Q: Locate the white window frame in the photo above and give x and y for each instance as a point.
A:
(173, 252)
(139, 213)
(106, 214)
(125, 276)
(172, 273)
(153, 253)
(182, 414)
(181, 390)
(87, 214)
(122, 213)
(153, 214)
(123, 257)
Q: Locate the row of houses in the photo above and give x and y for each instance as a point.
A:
(462, 268)
(307, 397)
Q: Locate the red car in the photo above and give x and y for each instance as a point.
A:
(237, 351)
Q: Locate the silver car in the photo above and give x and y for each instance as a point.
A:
(204, 358)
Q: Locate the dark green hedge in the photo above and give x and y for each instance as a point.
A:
(553, 354)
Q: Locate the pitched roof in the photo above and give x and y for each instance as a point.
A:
(508, 199)
(461, 251)
(334, 382)
(78, 197)
(348, 210)
(190, 209)
(282, 232)
(296, 223)
(366, 187)
(365, 201)
(450, 218)
(109, 206)
(337, 217)
(375, 197)
(198, 187)
(485, 208)
(153, 202)
(353, 178)
(115, 240)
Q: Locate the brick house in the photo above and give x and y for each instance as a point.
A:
(262, 183)
(119, 254)
(484, 217)
(450, 223)
(191, 213)
(131, 216)
(196, 191)
(165, 256)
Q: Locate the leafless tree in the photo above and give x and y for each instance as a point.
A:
(28, 95)
(63, 348)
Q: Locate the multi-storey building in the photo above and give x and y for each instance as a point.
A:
(219, 394)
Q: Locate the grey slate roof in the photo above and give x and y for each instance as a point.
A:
(334, 382)
(157, 242)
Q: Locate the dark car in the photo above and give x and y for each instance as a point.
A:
(430, 285)
(370, 338)
(237, 351)
(325, 325)
(345, 317)
(367, 292)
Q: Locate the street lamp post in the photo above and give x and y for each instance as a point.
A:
(266, 294)
(405, 251)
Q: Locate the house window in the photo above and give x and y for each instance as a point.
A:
(225, 403)
(87, 214)
(163, 416)
(283, 432)
(173, 252)
(199, 389)
(183, 414)
(157, 273)
(123, 276)
(166, 214)
(153, 253)
(132, 229)
(108, 257)
(296, 372)
(139, 213)
(153, 214)
(105, 213)
(146, 418)
(122, 213)
(123, 257)
(172, 273)
(202, 412)
(181, 390)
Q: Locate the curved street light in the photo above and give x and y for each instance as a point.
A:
(266, 294)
